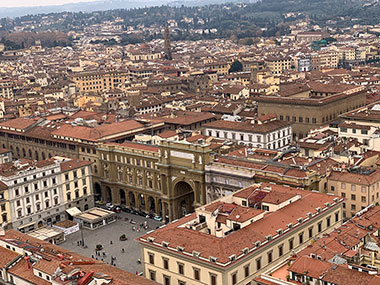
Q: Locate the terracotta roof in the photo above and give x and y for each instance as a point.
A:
(248, 126)
(73, 164)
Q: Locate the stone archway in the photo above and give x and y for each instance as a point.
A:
(184, 194)
(108, 195)
(132, 200)
(123, 199)
(151, 205)
(97, 192)
(141, 200)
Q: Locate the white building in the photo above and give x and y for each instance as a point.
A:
(265, 132)
(35, 193)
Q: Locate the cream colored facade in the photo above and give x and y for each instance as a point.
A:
(98, 81)
(323, 60)
(77, 187)
(359, 194)
(170, 264)
(278, 65)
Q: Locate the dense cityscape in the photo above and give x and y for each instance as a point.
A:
(221, 144)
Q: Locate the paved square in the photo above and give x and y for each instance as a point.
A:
(127, 260)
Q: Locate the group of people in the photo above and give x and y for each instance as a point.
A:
(102, 255)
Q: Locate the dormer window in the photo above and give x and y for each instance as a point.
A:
(213, 259)
(180, 248)
(232, 257)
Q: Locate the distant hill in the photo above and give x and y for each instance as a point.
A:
(105, 5)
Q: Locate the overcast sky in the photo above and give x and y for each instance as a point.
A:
(20, 3)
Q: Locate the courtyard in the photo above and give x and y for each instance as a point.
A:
(111, 233)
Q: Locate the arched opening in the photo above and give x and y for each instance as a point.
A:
(36, 154)
(30, 154)
(152, 205)
(159, 212)
(43, 156)
(132, 201)
(141, 202)
(122, 197)
(86, 207)
(23, 152)
(108, 195)
(185, 198)
(50, 156)
(40, 224)
(98, 192)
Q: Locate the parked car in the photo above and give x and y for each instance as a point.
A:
(158, 218)
(109, 206)
(125, 209)
(141, 213)
(100, 202)
(116, 209)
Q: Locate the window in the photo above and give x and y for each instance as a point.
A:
(291, 244)
(332, 188)
(353, 187)
(328, 220)
(300, 237)
(307, 120)
(151, 258)
(213, 279)
(363, 189)
(46, 194)
(343, 185)
(258, 264)
(287, 118)
(35, 186)
(319, 227)
(364, 199)
(311, 232)
(364, 132)
(234, 278)
(343, 194)
(197, 273)
(166, 280)
(314, 120)
(181, 268)
(353, 207)
(270, 257)
(165, 262)
(246, 271)
(300, 119)
(336, 216)
(18, 203)
(17, 192)
(353, 197)
(281, 250)
(181, 282)
(343, 130)
(152, 275)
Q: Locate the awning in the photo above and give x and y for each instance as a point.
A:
(27, 225)
(73, 211)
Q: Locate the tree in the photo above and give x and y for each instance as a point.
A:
(236, 66)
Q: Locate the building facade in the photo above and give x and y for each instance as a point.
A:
(265, 132)
(232, 240)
